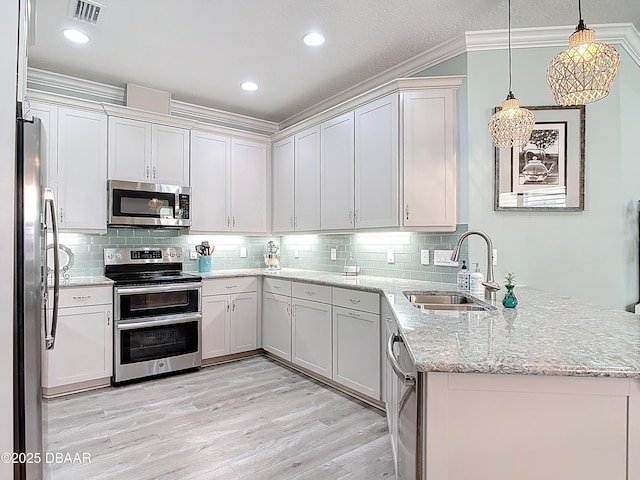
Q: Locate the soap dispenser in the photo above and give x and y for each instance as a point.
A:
(476, 280)
(463, 277)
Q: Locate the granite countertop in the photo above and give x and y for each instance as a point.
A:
(545, 334)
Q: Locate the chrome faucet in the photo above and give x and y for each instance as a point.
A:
(490, 285)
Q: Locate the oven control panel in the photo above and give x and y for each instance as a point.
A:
(125, 256)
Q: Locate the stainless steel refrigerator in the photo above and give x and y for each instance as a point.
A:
(35, 222)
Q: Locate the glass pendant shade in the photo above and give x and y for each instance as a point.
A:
(511, 126)
(585, 71)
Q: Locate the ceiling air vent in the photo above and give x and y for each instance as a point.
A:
(84, 11)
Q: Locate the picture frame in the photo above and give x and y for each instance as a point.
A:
(546, 174)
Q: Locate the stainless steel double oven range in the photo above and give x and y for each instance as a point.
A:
(157, 312)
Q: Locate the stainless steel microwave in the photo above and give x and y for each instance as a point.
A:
(136, 204)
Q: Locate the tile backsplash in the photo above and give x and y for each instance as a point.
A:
(313, 251)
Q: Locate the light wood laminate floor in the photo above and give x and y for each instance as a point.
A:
(249, 419)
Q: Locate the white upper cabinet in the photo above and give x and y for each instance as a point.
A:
(376, 164)
(229, 184)
(146, 152)
(75, 165)
(307, 180)
(429, 176)
(82, 169)
(210, 163)
(337, 172)
(296, 182)
(283, 165)
(248, 186)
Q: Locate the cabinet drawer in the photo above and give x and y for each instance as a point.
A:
(81, 296)
(275, 285)
(223, 286)
(309, 291)
(356, 299)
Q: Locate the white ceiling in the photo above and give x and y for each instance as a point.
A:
(201, 50)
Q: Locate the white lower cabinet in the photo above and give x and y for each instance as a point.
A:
(276, 317)
(356, 340)
(311, 332)
(82, 357)
(229, 316)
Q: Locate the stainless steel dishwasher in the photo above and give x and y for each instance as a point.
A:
(408, 408)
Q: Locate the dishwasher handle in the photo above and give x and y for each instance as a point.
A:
(407, 378)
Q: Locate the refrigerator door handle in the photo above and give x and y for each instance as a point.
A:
(50, 336)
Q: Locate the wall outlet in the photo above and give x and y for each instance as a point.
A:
(296, 253)
(424, 257)
(193, 255)
(243, 252)
(333, 254)
(495, 256)
(391, 256)
(443, 258)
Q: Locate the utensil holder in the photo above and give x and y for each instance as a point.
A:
(204, 263)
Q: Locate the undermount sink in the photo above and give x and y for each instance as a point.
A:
(446, 301)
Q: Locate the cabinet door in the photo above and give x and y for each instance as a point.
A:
(376, 164)
(210, 161)
(429, 159)
(248, 186)
(82, 170)
(311, 336)
(169, 155)
(356, 350)
(283, 186)
(337, 173)
(129, 150)
(83, 349)
(215, 326)
(307, 181)
(276, 325)
(244, 322)
(48, 115)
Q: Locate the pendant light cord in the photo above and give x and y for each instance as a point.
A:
(509, 37)
(581, 26)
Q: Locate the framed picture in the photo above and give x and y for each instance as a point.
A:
(546, 174)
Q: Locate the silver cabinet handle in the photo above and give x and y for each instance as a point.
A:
(233, 309)
(291, 221)
(288, 309)
(406, 378)
(277, 287)
(147, 171)
(108, 318)
(228, 221)
(309, 292)
(406, 211)
(234, 220)
(62, 215)
(155, 173)
(355, 216)
(354, 300)
(350, 216)
(353, 314)
(227, 305)
(230, 286)
(81, 297)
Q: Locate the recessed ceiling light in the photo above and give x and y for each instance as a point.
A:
(75, 36)
(313, 39)
(249, 86)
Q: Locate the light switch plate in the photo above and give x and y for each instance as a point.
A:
(333, 253)
(243, 252)
(391, 256)
(296, 253)
(193, 255)
(443, 258)
(424, 257)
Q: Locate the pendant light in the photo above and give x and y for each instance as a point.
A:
(585, 71)
(512, 125)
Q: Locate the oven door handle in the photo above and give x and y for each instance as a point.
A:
(158, 322)
(174, 287)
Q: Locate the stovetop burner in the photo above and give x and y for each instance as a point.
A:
(146, 266)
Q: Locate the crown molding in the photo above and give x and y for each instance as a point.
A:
(65, 85)
(623, 34)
